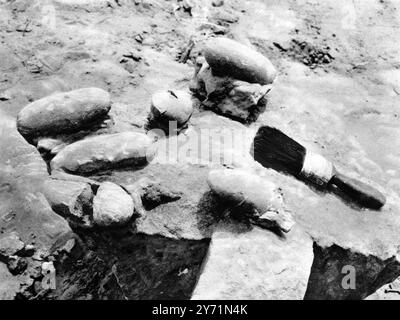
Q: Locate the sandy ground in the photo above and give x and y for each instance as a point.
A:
(346, 104)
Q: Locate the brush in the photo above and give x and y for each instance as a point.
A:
(273, 149)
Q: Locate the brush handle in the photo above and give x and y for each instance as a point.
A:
(362, 193)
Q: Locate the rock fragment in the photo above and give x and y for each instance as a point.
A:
(223, 17)
(104, 152)
(260, 201)
(112, 206)
(168, 106)
(153, 192)
(217, 3)
(63, 112)
(16, 265)
(70, 199)
(242, 101)
(10, 244)
(4, 96)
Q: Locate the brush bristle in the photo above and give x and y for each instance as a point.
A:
(273, 149)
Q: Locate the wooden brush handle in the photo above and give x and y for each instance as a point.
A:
(365, 195)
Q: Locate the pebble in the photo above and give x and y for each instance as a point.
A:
(139, 38)
(4, 96)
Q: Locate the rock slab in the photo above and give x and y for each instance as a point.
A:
(253, 263)
(23, 207)
(25, 215)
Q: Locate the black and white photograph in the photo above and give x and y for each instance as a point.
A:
(199, 155)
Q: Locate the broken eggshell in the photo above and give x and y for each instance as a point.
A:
(170, 105)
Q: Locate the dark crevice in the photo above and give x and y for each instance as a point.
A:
(331, 265)
(120, 264)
